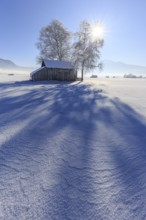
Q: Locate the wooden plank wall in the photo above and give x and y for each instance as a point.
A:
(55, 74)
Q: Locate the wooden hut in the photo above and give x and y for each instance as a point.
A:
(55, 70)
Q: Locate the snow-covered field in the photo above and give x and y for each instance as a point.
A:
(72, 151)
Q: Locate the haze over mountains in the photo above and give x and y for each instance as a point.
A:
(120, 68)
(109, 68)
(8, 66)
(5, 64)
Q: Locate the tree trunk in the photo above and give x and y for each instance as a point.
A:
(82, 77)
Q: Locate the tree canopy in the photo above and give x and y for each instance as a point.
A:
(54, 42)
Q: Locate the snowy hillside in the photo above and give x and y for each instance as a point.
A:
(72, 151)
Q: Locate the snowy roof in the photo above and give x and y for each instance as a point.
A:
(32, 73)
(57, 64)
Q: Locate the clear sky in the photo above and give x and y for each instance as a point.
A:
(125, 21)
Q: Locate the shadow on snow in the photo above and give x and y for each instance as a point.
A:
(84, 152)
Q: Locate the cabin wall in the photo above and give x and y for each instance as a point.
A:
(55, 74)
(40, 75)
(62, 74)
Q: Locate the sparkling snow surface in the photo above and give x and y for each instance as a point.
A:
(71, 151)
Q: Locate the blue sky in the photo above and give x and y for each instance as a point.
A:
(125, 21)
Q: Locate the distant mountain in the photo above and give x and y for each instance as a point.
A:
(7, 64)
(120, 68)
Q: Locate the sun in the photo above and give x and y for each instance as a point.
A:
(97, 31)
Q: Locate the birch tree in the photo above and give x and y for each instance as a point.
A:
(54, 42)
(86, 48)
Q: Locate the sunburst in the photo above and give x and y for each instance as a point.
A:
(97, 31)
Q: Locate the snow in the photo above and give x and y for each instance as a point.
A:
(72, 150)
(14, 77)
(58, 64)
(35, 71)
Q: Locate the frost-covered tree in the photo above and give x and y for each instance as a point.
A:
(54, 42)
(86, 53)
